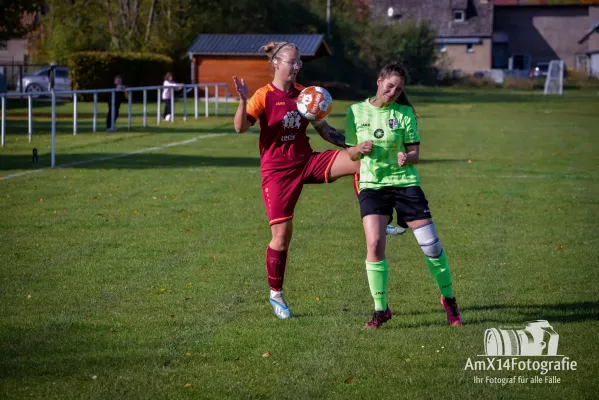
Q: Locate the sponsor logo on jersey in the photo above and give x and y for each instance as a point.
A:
(363, 125)
(292, 120)
(280, 103)
(379, 133)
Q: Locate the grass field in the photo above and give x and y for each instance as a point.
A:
(142, 276)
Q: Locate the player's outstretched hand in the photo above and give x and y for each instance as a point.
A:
(365, 147)
(241, 88)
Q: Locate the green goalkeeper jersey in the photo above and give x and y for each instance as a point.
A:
(390, 129)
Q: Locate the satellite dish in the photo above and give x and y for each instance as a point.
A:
(390, 12)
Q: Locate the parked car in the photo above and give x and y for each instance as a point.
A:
(539, 71)
(39, 80)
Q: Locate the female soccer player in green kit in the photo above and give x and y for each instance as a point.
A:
(384, 132)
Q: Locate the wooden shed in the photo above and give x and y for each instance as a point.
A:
(216, 58)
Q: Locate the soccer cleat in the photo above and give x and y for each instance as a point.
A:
(395, 230)
(378, 319)
(279, 306)
(451, 308)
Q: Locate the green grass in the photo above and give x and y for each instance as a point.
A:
(135, 276)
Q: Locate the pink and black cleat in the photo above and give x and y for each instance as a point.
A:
(451, 308)
(378, 319)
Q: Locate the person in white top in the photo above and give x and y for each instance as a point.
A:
(166, 94)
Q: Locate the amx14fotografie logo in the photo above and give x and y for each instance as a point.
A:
(531, 349)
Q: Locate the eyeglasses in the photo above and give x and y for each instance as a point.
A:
(294, 64)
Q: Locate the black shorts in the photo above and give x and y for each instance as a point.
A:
(409, 202)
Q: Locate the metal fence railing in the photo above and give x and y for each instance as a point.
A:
(74, 93)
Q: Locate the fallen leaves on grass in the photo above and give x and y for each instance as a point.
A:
(187, 385)
(267, 354)
(560, 247)
(349, 380)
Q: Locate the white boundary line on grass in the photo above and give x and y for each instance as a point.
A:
(3, 178)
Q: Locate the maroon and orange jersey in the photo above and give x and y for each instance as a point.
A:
(283, 139)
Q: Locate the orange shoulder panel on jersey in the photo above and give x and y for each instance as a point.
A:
(256, 104)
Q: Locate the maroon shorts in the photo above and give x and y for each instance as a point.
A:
(281, 189)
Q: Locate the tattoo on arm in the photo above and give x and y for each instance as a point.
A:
(333, 136)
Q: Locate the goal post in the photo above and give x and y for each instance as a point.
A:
(554, 82)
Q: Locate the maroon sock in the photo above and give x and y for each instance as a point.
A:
(275, 267)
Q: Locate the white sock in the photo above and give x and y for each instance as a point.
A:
(274, 293)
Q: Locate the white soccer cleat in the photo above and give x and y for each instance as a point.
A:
(279, 305)
(395, 230)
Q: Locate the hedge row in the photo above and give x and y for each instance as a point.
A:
(96, 70)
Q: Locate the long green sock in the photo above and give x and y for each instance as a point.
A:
(439, 269)
(378, 275)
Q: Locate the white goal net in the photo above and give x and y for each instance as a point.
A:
(554, 83)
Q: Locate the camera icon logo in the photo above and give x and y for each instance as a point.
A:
(537, 338)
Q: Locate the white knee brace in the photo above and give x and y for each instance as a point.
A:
(428, 240)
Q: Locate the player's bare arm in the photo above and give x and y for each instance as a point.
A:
(329, 133)
(411, 156)
(241, 123)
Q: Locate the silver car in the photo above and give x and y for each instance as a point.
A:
(39, 81)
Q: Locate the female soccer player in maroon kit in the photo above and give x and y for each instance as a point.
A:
(287, 160)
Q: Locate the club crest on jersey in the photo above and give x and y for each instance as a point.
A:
(379, 133)
(292, 120)
(393, 124)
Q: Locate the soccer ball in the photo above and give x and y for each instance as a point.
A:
(314, 103)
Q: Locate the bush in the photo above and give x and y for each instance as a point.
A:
(579, 80)
(96, 70)
(523, 83)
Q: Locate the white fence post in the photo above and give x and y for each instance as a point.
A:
(184, 104)
(227, 100)
(195, 101)
(112, 107)
(158, 109)
(53, 149)
(172, 105)
(216, 100)
(95, 117)
(130, 109)
(75, 114)
(206, 100)
(3, 121)
(145, 108)
(30, 117)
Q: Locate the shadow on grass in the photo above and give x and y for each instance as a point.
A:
(495, 315)
(520, 313)
(123, 161)
(436, 96)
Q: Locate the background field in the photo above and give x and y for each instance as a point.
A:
(143, 276)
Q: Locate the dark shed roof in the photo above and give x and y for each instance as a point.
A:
(312, 45)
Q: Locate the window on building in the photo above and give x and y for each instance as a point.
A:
(459, 15)
(469, 48)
